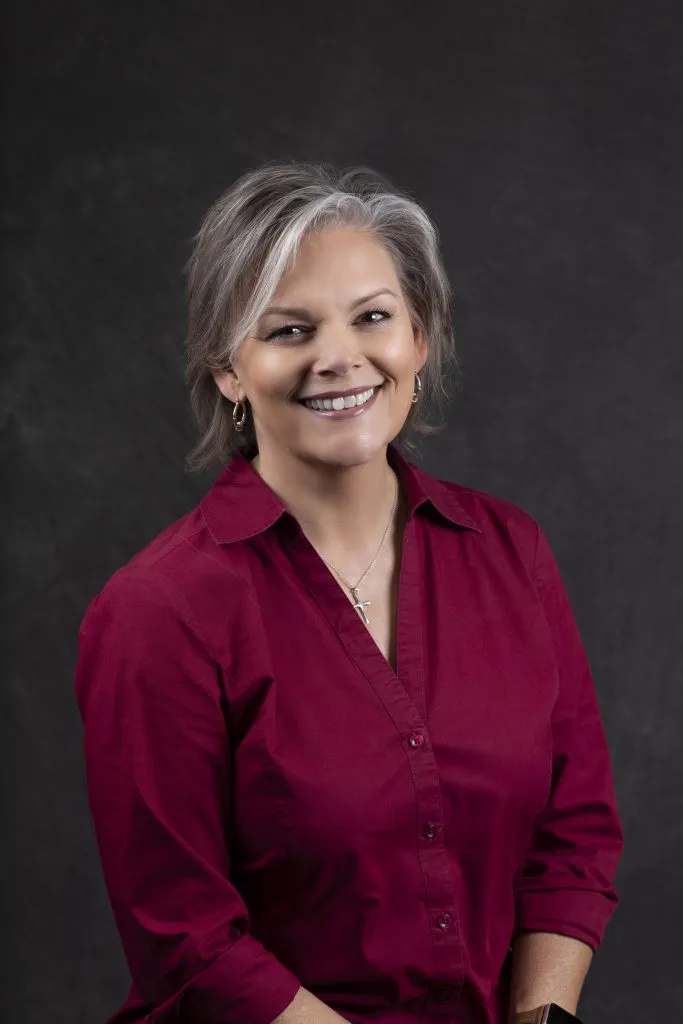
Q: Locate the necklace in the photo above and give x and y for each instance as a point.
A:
(359, 605)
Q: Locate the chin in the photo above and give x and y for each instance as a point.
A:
(352, 451)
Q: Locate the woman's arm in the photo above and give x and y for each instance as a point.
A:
(159, 773)
(565, 891)
(547, 968)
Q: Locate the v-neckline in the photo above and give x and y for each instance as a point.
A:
(345, 621)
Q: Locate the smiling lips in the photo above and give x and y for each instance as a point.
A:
(343, 407)
(337, 404)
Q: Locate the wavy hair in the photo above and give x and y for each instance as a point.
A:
(245, 244)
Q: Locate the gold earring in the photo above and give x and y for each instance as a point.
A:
(239, 424)
(416, 394)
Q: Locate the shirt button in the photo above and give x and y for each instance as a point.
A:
(430, 830)
(443, 921)
(416, 740)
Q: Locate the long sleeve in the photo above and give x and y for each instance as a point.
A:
(566, 884)
(157, 757)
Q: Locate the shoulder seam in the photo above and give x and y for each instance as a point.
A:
(177, 597)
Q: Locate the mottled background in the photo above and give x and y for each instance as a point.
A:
(546, 139)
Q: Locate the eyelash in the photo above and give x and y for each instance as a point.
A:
(369, 323)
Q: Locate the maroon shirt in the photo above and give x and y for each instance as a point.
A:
(275, 807)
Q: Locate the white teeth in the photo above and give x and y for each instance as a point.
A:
(340, 403)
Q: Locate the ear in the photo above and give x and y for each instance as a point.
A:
(228, 384)
(421, 348)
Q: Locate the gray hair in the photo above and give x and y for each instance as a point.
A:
(245, 244)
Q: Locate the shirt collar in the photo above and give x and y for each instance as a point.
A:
(240, 504)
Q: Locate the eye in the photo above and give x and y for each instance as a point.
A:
(280, 332)
(383, 313)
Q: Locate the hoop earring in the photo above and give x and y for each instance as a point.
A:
(239, 425)
(416, 394)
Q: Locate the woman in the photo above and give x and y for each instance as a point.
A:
(343, 751)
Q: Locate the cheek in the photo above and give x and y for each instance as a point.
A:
(274, 377)
(399, 355)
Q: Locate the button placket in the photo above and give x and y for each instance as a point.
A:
(442, 921)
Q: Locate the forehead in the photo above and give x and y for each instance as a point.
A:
(339, 262)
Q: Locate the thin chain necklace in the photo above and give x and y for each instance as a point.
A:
(359, 605)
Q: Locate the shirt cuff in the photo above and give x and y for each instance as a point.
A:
(244, 985)
(580, 914)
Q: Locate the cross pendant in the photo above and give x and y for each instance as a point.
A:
(360, 605)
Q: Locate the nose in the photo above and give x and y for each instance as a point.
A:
(338, 349)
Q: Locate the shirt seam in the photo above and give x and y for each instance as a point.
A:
(181, 605)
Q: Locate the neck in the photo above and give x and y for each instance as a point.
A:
(342, 510)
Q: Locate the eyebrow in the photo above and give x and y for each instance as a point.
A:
(300, 311)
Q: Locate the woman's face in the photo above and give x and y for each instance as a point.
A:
(320, 334)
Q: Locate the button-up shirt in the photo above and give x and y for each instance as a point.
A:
(275, 806)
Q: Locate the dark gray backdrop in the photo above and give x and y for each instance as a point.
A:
(545, 139)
